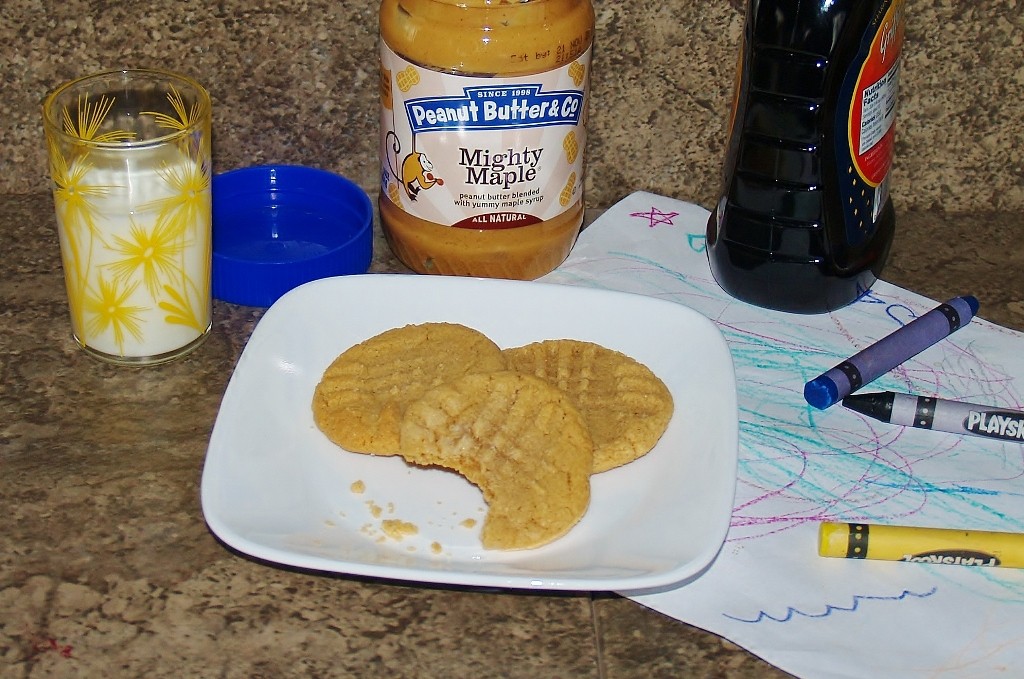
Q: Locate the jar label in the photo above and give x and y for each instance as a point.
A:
(482, 152)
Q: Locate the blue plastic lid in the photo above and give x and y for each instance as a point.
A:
(276, 227)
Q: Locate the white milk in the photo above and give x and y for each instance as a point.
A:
(135, 238)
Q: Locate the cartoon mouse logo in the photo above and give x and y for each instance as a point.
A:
(417, 171)
(418, 174)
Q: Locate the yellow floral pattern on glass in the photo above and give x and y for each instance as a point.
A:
(134, 226)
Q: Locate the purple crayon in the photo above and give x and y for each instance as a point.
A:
(890, 351)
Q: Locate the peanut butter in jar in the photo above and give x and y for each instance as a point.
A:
(483, 132)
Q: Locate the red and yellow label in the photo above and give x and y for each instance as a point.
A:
(873, 107)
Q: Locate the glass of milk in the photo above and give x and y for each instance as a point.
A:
(129, 155)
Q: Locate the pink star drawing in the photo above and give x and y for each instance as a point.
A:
(655, 217)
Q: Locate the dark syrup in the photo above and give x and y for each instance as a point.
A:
(799, 227)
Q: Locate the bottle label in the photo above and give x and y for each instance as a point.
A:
(482, 152)
(872, 118)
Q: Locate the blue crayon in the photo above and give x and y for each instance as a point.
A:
(890, 351)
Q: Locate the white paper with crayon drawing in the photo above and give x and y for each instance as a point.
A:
(768, 590)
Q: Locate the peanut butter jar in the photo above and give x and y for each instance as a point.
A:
(483, 133)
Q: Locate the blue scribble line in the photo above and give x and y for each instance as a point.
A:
(953, 489)
(830, 609)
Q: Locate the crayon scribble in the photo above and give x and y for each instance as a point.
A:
(798, 466)
(829, 609)
(654, 217)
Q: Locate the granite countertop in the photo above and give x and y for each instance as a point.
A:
(106, 563)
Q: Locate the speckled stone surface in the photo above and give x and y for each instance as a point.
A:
(106, 566)
(295, 81)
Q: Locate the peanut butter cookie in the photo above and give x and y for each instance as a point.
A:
(359, 401)
(517, 438)
(626, 406)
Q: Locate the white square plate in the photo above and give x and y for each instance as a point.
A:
(276, 488)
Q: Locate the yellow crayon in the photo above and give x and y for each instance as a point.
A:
(976, 548)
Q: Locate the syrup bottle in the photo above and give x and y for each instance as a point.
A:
(805, 221)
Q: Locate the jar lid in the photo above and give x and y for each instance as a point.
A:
(276, 227)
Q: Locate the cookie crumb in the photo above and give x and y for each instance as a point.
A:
(396, 529)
